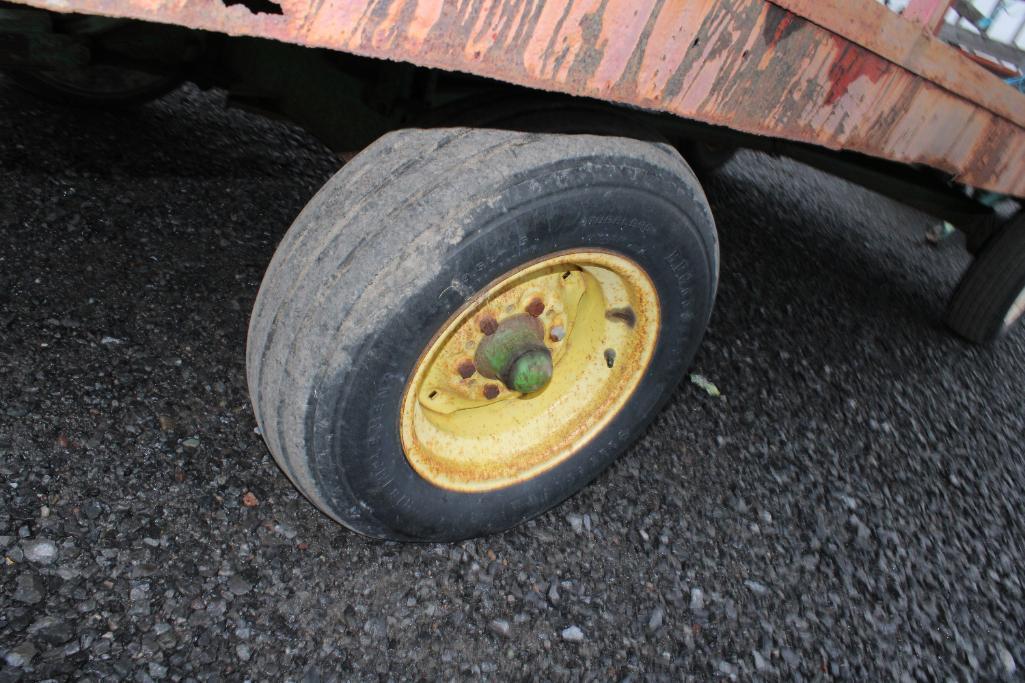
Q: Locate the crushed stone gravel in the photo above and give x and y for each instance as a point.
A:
(847, 505)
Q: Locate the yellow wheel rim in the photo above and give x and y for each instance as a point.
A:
(599, 316)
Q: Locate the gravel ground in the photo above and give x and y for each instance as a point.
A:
(849, 509)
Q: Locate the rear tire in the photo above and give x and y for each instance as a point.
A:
(403, 238)
(990, 298)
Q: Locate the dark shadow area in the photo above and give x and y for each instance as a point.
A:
(257, 6)
(187, 119)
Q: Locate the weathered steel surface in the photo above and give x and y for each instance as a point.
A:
(928, 13)
(909, 46)
(838, 73)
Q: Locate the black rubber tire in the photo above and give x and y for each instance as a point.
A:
(50, 87)
(990, 286)
(395, 243)
(706, 158)
(550, 113)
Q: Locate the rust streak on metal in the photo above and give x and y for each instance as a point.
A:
(843, 74)
(852, 65)
(928, 13)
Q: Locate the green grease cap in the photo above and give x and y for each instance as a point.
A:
(531, 372)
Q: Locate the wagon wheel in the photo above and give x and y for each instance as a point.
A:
(990, 298)
(464, 327)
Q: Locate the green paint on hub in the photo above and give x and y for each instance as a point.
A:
(531, 372)
(516, 355)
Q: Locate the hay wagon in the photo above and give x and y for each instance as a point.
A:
(490, 301)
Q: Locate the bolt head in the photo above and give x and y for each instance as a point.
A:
(490, 392)
(488, 325)
(466, 368)
(536, 307)
(558, 333)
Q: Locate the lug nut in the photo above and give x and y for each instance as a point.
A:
(490, 392)
(488, 325)
(466, 368)
(558, 333)
(536, 307)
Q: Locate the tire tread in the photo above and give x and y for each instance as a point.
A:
(990, 286)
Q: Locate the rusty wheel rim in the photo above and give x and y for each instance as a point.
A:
(465, 426)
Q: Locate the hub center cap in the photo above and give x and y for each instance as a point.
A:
(516, 354)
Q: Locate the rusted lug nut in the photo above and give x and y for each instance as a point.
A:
(466, 369)
(536, 307)
(490, 392)
(558, 333)
(488, 325)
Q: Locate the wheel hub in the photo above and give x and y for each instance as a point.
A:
(516, 355)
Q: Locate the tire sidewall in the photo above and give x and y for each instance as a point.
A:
(357, 458)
